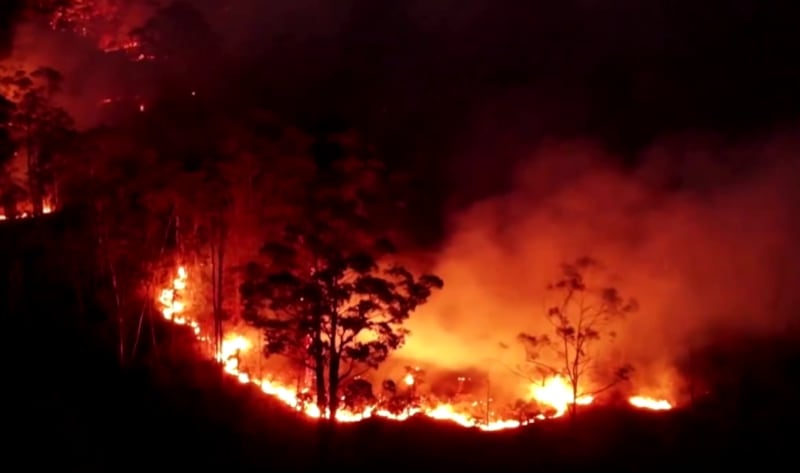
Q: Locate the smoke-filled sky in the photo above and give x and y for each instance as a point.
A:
(658, 136)
(720, 253)
(465, 90)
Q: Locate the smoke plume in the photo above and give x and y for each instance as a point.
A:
(700, 232)
(701, 235)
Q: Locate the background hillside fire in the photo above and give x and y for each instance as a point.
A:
(27, 212)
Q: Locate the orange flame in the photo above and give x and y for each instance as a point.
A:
(645, 402)
(555, 392)
(47, 208)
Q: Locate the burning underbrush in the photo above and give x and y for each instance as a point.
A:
(465, 397)
(23, 211)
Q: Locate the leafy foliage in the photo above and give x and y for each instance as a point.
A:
(323, 293)
(341, 308)
(38, 128)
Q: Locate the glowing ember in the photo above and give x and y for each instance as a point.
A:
(555, 392)
(644, 402)
(103, 21)
(47, 208)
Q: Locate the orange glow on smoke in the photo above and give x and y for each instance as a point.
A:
(106, 22)
(555, 392)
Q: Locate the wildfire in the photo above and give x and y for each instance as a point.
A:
(47, 208)
(103, 21)
(650, 403)
(131, 48)
(555, 392)
(84, 17)
(172, 305)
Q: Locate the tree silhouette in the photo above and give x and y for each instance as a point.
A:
(39, 128)
(10, 192)
(335, 312)
(581, 316)
(324, 294)
(6, 143)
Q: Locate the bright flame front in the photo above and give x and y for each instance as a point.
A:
(47, 208)
(645, 402)
(555, 392)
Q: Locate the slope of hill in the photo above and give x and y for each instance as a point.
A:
(70, 405)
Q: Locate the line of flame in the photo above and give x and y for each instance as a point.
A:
(555, 392)
(46, 209)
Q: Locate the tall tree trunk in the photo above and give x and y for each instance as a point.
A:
(333, 385)
(217, 282)
(34, 177)
(9, 207)
(488, 399)
(333, 368)
(326, 396)
(214, 304)
(319, 374)
(573, 407)
(118, 308)
(219, 310)
(109, 259)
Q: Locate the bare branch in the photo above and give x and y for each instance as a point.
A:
(577, 322)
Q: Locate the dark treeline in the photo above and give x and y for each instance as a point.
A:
(282, 227)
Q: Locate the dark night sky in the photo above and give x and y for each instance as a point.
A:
(464, 89)
(472, 86)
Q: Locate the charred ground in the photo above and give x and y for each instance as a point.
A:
(72, 405)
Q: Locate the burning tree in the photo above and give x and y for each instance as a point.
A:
(9, 190)
(324, 295)
(332, 310)
(38, 127)
(79, 16)
(581, 316)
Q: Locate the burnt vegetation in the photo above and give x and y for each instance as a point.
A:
(297, 231)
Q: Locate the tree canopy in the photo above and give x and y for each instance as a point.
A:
(39, 129)
(326, 293)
